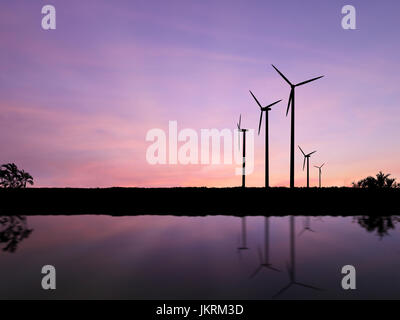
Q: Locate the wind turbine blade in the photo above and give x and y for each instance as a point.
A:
(301, 232)
(274, 269)
(255, 272)
(273, 103)
(281, 291)
(286, 79)
(308, 286)
(256, 99)
(240, 121)
(304, 82)
(289, 102)
(259, 125)
(322, 165)
(312, 153)
(304, 163)
(302, 151)
(316, 167)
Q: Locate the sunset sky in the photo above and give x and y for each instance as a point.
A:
(76, 102)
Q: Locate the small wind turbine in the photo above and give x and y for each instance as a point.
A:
(264, 261)
(265, 109)
(292, 266)
(320, 173)
(240, 129)
(307, 157)
(291, 102)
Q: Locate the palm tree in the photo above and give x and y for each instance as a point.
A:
(381, 181)
(26, 178)
(12, 177)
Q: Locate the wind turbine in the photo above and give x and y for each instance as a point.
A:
(291, 103)
(265, 109)
(240, 129)
(307, 156)
(264, 261)
(292, 266)
(320, 173)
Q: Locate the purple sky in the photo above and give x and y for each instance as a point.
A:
(76, 102)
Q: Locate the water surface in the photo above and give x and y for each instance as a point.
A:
(215, 257)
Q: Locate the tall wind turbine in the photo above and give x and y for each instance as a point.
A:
(265, 109)
(307, 157)
(240, 129)
(291, 103)
(320, 173)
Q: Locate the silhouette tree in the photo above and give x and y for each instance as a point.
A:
(13, 229)
(381, 181)
(379, 224)
(12, 177)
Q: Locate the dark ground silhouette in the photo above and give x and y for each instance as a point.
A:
(202, 201)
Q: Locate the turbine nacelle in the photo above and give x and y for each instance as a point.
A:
(308, 155)
(262, 109)
(239, 125)
(293, 86)
(320, 167)
(240, 129)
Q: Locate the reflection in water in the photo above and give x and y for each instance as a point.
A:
(292, 266)
(379, 224)
(306, 226)
(104, 257)
(243, 244)
(264, 262)
(13, 229)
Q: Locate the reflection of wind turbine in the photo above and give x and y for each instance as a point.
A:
(243, 245)
(244, 150)
(307, 226)
(266, 110)
(264, 262)
(291, 102)
(292, 267)
(307, 156)
(320, 173)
